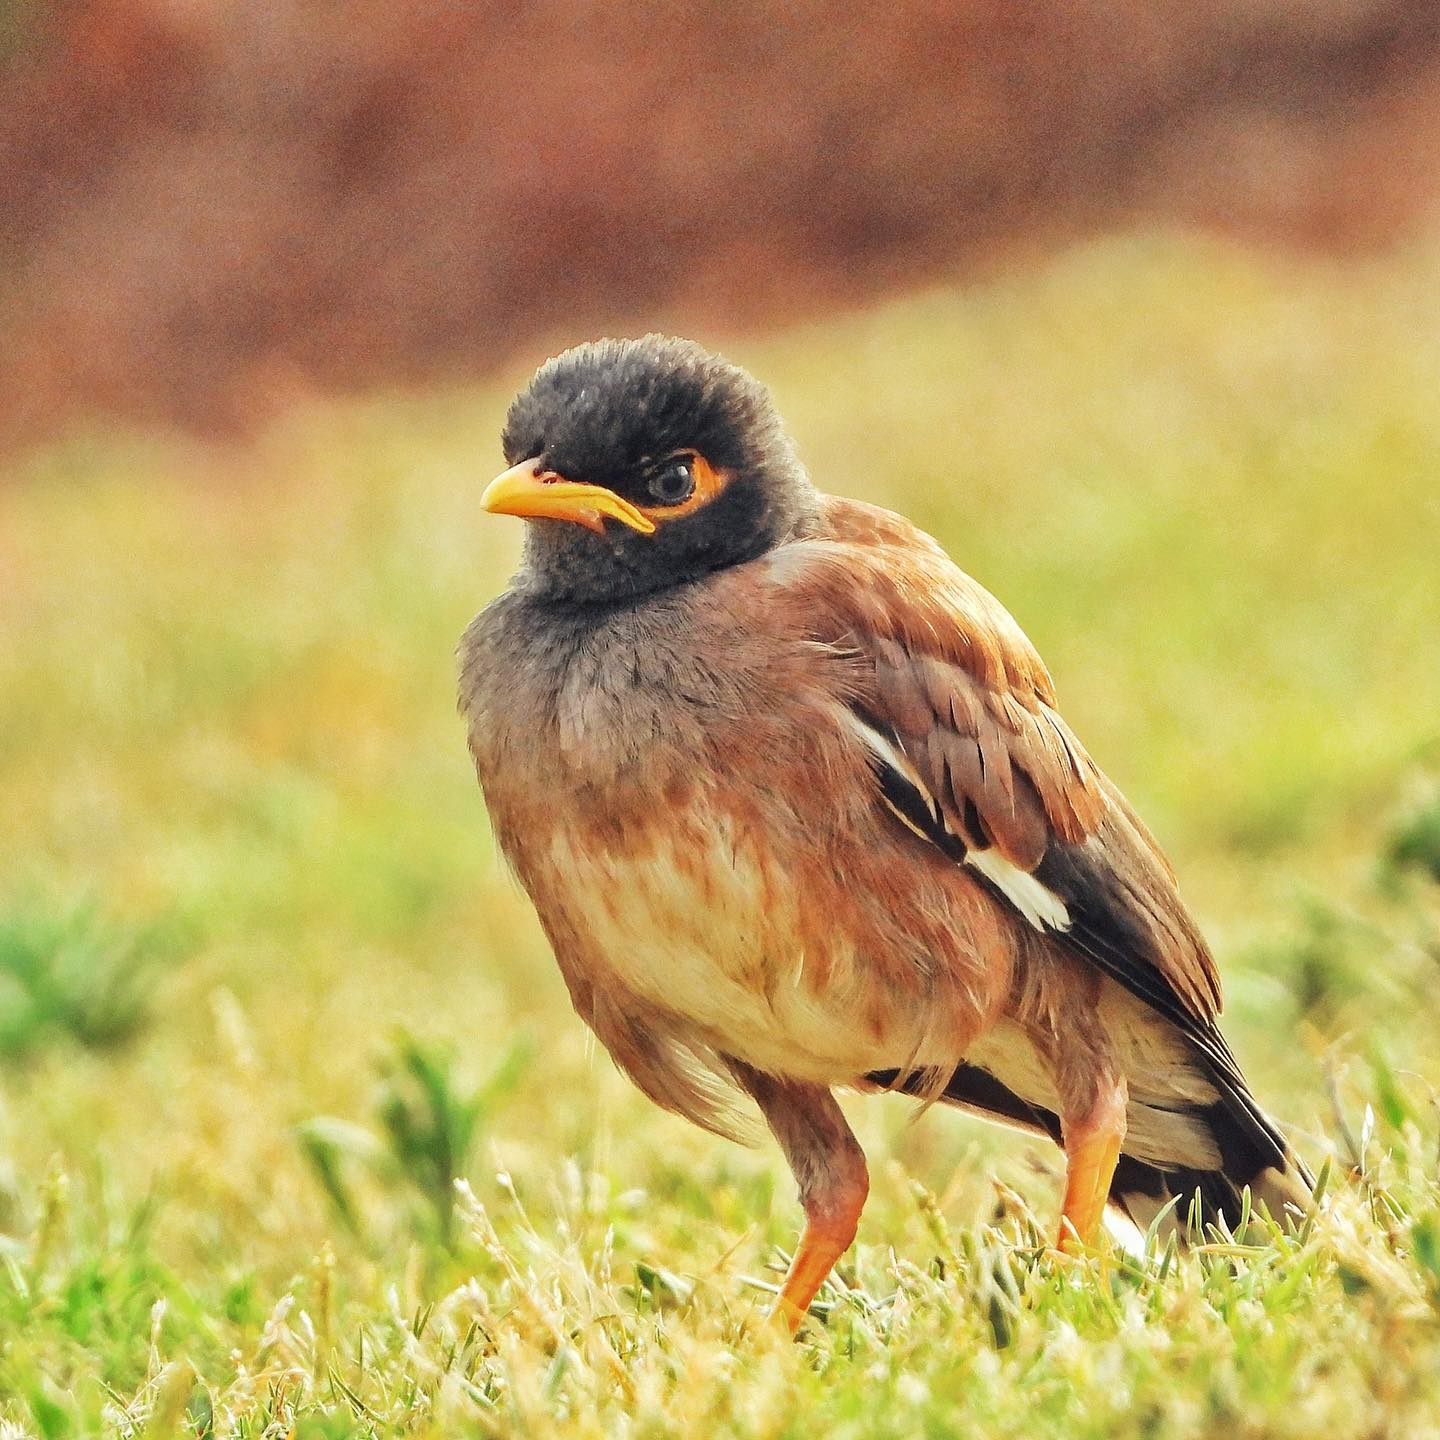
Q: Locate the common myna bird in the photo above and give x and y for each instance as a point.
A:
(792, 798)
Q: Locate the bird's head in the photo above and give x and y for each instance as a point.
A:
(644, 464)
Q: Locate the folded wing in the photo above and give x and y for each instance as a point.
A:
(958, 715)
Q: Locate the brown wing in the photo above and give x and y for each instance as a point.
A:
(971, 754)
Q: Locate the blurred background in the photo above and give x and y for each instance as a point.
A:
(1135, 306)
(207, 210)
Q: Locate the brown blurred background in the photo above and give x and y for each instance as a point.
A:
(207, 209)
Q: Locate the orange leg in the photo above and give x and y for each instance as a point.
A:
(1092, 1149)
(829, 1230)
(829, 1168)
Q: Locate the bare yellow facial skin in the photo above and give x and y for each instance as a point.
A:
(708, 484)
(531, 491)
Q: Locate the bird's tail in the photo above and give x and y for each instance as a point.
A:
(1254, 1156)
(1197, 1159)
(1191, 1200)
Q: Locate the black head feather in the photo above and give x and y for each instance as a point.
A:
(605, 413)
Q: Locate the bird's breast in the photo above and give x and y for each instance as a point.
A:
(698, 921)
(688, 810)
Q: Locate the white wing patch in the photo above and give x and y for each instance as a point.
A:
(1044, 909)
(890, 754)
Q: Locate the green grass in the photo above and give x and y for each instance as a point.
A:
(265, 986)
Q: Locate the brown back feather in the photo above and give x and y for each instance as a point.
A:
(973, 707)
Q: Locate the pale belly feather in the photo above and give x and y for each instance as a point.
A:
(702, 927)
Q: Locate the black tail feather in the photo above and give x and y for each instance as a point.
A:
(1253, 1154)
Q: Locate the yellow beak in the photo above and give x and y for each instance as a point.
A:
(527, 490)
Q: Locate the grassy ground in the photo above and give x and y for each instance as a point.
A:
(265, 989)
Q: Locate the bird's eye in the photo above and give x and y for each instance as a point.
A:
(674, 481)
